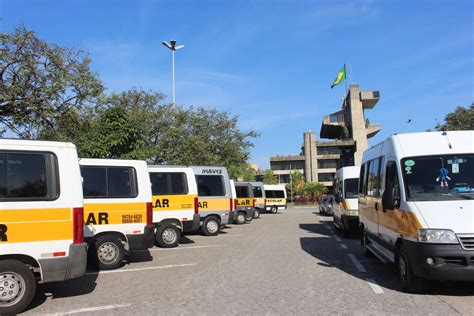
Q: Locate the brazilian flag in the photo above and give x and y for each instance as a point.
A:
(341, 75)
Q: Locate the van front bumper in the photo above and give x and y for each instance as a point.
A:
(65, 268)
(351, 221)
(451, 262)
(189, 226)
(142, 241)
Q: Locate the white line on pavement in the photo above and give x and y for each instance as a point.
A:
(143, 269)
(343, 246)
(356, 262)
(374, 286)
(220, 235)
(183, 248)
(337, 238)
(92, 309)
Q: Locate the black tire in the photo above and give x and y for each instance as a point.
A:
(248, 218)
(257, 213)
(211, 226)
(364, 242)
(344, 230)
(167, 236)
(17, 286)
(274, 209)
(240, 218)
(109, 252)
(408, 280)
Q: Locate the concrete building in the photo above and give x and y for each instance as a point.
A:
(349, 130)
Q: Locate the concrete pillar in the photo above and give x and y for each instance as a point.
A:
(311, 164)
(359, 132)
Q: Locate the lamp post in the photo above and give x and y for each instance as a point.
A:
(172, 46)
(409, 127)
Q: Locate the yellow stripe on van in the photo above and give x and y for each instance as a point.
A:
(401, 221)
(259, 201)
(114, 213)
(345, 204)
(173, 202)
(276, 201)
(30, 225)
(214, 204)
(244, 202)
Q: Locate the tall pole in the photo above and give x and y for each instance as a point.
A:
(291, 183)
(173, 47)
(174, 89)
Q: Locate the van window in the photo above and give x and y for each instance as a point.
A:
(274, 194)
(28, 176)
(373, 178)
(350, 188)
(391, 178)
(210, 185)
(439, 178)
(109, 182)
(362, 181)
(242, 192)
(257, 192)
(168, 183)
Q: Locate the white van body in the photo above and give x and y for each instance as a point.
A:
(41, 217)
(259, 195)
(418, 209)
(275, 197)
(111, 209)
(175, 204)
(346, 214)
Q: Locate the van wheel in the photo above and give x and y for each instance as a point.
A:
(211, 226)
(17, 286)
(364, 242)
(248, 218)
(167, 236)
(274, 210)
(240, 218)
(345, 232)
(408, 280)
(109, 252)
(256, 214)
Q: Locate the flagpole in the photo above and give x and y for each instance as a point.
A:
(345, 80)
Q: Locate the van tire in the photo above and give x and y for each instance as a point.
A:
(240, 218)
(248, 219)
(109, 252)
(364, 242)
(408, 280)
(17, 274)
(211, 226)
(274, 209)
(167, 236)
(256, 214)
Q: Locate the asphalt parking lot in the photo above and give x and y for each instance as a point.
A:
(287, 263)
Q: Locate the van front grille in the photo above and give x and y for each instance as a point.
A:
(467, 241)
(454, 261)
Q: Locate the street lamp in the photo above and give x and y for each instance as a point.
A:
(172, 46)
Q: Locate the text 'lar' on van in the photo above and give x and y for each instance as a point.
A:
(345, 208)
(175, 203)
(117, 209)
(275, 197)
(41, 219)
(214, 198)
(416, 205)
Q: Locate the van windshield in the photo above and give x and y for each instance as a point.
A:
(439, 178)
(351, 188)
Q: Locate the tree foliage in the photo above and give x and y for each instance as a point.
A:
(461, 119)
(41, 82)
(269, 177)
(313, 189)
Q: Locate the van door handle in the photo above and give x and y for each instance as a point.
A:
(376, 206)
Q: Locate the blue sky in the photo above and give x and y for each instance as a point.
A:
(272, 62)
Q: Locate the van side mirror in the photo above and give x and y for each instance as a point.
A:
(390, 199)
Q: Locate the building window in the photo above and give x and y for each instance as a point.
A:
(325, 177)
(329, 150)
(327, 163)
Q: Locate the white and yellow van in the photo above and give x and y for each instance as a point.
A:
(346, 214)
(117, 209)
(41, 219)
(244, 203)
(214, 198)
(175, 203)
(416, 205)
(259, 195)
(275, 197)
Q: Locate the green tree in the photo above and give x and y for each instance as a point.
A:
(247, 173)
(269, 177)
(461, 119)
(40, 82)
(313, 189)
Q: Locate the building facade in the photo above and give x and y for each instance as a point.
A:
(349, 132)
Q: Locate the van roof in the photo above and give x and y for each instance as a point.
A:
(348, 172)
(110, 162)
(35, 143)
(274, 187)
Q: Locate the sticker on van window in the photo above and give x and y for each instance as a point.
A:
(409, 163)
(407, 170)
(455, 168)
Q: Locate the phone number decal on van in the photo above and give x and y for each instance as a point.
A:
(130, 219)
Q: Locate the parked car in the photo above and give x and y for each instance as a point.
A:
(326, 206)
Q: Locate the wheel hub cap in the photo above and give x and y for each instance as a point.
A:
(169, 236)
(107, 252)
(11, 288)
(212, 226)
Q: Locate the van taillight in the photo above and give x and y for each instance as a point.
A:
(196, 205)
(149, 213)
(78, 225)
(231, 205)
(235, 204)
(253, 203)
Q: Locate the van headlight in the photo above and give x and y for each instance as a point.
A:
(438, 236)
